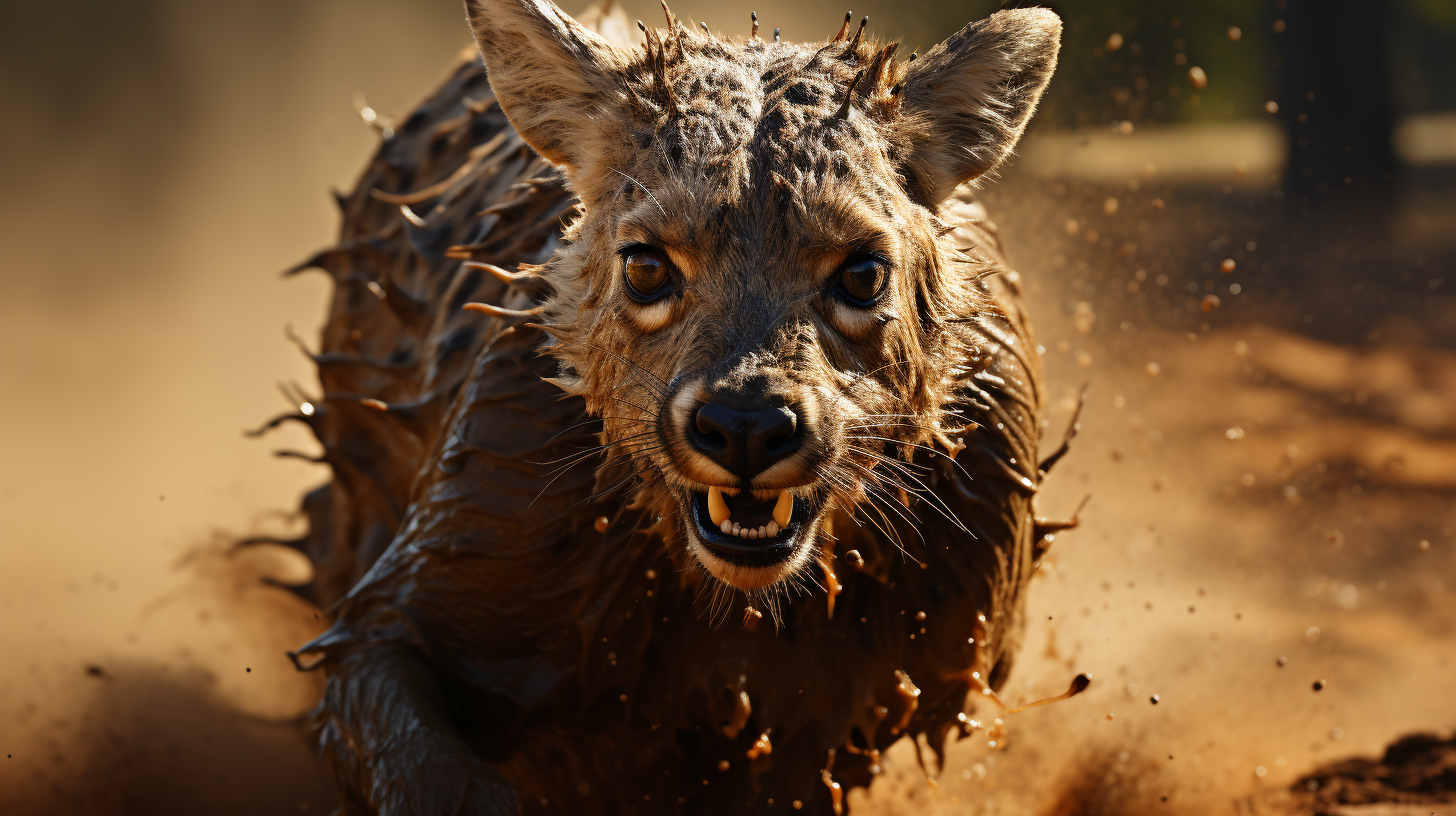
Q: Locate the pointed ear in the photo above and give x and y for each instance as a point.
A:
(968, 99)
(560, 85)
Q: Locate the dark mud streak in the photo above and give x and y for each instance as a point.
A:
(500, 643)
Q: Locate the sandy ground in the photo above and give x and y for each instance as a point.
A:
(1281, 487)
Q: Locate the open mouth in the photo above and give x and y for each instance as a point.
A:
(750, 528)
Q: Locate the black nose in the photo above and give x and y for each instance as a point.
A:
(745, 443)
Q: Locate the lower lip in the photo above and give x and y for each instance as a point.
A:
(748, 552)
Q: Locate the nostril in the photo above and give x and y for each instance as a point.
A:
(779, 428)
(714, 425)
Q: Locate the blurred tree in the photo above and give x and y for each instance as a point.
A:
(1334, 97)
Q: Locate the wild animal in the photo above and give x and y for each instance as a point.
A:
(683, 417)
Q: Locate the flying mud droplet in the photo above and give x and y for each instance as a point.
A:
(601, 524)
(1198, 77)
(760, 747)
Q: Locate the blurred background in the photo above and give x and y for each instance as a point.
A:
(1236, 220)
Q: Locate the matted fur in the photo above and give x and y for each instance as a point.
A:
(539, 631)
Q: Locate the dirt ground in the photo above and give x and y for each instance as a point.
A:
(1262, 582)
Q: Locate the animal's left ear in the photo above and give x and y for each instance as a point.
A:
(966, 102)
(558, 83)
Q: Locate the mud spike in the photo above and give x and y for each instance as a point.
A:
(293, 454)
(753, 15)
(526, 280)
(503, 313)
(854, 43)
(880, 67)
(401, 372)
(843, 29)
(274, 423)
(848, 106)
(667, 12)
(704, 27)
(253, 541)
(554, 331)
(418, 418)
(328, 260)
(776, 35)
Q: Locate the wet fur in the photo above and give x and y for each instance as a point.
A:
(492, 648)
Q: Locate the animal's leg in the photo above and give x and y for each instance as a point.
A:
(384, 728)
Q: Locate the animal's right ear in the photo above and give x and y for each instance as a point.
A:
(558, 83)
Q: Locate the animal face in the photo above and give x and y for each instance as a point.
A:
(758, 297)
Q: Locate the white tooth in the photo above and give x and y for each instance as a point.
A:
(726, 526)
(784, 510)
(736, 529)
(773, 529)
(717, 508)
(756, 533)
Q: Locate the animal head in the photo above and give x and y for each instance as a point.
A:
(759, 297)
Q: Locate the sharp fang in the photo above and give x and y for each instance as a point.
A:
(726, 526)
(782, 512)
(773, 529)
(717, 508)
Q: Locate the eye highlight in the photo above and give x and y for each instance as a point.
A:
(646, 272)
(862, 279)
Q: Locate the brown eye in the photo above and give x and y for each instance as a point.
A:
(646, 274)
(861, 280)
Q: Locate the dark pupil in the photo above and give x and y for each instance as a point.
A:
(645, 273)
(862, 280)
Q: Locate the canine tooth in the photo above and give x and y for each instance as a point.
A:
(717, 508)
(773, 529)
(784, 510)
(726, 526)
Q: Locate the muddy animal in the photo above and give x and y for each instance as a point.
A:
(683, 419)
